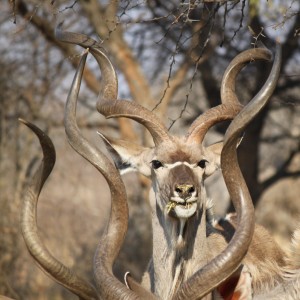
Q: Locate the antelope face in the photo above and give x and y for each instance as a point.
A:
(177, 171)
(178, 185)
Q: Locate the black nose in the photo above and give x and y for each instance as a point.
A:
(184, 190)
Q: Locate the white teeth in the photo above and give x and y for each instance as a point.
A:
(178, 199)
(182, 210)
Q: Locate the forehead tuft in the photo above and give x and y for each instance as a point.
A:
(179, 151)
(179, 155)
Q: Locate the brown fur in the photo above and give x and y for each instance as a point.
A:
(293, 257)
(178, 155)
(264, 260)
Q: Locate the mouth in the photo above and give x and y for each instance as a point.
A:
(182, 210)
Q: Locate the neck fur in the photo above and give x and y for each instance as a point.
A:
(174, 260)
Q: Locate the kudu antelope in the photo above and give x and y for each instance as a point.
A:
(192, 257)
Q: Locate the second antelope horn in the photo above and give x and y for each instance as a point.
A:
(48, 263)
(109, 286)
(222, 266)
(230, 106)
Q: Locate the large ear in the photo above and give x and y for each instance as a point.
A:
(214, 155)
(127, 156)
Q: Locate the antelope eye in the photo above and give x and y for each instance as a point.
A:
(202, 163)
(156, 164)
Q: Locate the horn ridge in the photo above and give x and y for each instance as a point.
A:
(37, 249)
(230, 106)
(108, 104)
(136, 112)
(109, 246)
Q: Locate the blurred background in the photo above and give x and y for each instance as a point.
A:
(170, 57)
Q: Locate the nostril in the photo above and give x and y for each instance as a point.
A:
(178, 190)
(185, 190)
(191, 190)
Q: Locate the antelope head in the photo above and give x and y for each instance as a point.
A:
(177, 166)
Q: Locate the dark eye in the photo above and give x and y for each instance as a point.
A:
(202, 163)
(156, 164)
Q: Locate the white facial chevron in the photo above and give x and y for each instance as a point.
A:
(179, 163)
